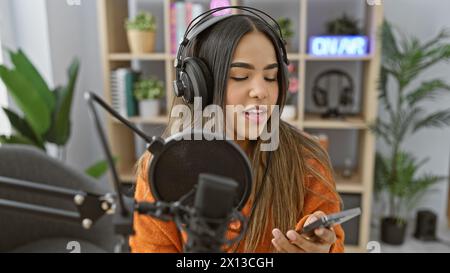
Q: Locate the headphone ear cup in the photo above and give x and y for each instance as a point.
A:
(194, 81)
(320, 96)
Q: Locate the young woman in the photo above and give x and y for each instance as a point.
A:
(299, 188)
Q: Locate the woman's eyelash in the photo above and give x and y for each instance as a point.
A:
(243, 79)
(239, 79)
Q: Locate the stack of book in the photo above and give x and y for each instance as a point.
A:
(181, 14)
(122, 97)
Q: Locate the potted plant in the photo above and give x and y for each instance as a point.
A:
(396, 172)
(289, 110)
(148, 92)
(45, 119)
(141, 33)
(343, 25)
(287, 32)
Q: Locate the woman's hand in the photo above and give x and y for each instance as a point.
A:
(293, 242)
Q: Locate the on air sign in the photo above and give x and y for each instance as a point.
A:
(351, 46)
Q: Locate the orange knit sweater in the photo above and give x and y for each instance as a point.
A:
(153, 235)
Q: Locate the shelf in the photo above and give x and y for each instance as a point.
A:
(293, 56)
(293, 122)
(350, 122)
(130, 57)
(149, 120)
(145, 120)
(116, 51)
(338, 59)
(350, 185)
(354, 249)
(127, 177)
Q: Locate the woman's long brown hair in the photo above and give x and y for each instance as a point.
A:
(282, 197)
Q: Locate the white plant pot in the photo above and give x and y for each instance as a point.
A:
(289, 112)
(149, 108)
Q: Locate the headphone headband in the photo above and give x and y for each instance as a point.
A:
(205, 17)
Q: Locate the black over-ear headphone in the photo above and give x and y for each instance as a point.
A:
(193, 78)
(320, 95)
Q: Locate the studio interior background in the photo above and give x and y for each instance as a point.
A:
(56, 34)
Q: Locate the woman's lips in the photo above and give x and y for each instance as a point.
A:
(256, 116)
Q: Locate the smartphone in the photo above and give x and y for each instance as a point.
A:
(330, 220)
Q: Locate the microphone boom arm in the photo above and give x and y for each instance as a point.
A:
(90, 207)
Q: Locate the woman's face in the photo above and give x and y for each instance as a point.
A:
(252, 86)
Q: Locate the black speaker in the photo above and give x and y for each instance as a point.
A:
(426, 225)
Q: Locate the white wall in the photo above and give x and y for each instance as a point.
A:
(29, 19)
(73, 33)
(424, 19)
(24, 24)
(5, 128)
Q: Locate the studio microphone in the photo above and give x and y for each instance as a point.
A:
(213, 208)
(200, 180)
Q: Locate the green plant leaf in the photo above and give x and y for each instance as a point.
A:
(98, 169)
(403, 186)
(22, 127)
(151, 88)
(16, 139)
(59, 133)
(389, 46)
(144, 21)
(381, 173)
(438, 120)
(381, 129)
(427, 90)
(443, 34)
(285, 24)
(415, 60)
(406, 119)
(27, 99)
(419, 187)
(24, 66)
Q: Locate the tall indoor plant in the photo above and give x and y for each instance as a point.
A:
(46, 113)
(396, 172)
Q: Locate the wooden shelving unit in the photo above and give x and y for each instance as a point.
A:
(115, 53)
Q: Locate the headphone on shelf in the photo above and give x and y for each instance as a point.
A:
(193, 78)
(320, 95)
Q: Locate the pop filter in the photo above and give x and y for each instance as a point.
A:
(177, 163)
